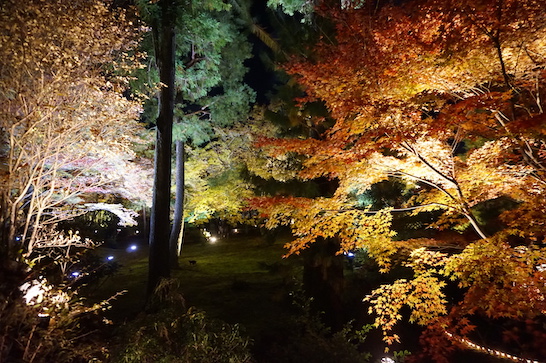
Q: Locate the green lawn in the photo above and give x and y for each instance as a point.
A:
(238, 280)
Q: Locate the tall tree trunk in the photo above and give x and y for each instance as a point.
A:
(158, 265)
(177, 231)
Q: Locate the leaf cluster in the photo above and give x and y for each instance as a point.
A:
(437, 94)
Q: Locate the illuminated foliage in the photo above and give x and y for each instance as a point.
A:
(214, 187)
(445, 96)
(67, 128)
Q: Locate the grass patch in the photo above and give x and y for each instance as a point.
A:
(238, 280)
(231, 280)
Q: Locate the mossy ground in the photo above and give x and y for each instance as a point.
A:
(240, 279)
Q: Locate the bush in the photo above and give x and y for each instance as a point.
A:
(40, 322)
(42, 317)
(308, 339)
(173, 335)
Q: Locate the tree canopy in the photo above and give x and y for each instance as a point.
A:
(446, 97)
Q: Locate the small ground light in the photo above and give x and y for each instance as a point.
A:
(44, 320)
(75, 274)
(133, 248)
(387, 360)
(235, 230)
(350, 254)
(213, 239)
(18, 238)
(110, 258)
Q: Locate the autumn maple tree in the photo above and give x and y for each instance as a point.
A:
(445, 96)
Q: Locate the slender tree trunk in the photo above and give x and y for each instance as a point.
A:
(159, 266)
(180, 241)
(177, 231)
(12, 230)
(144, 221)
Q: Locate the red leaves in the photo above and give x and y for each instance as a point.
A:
(446, 95)
(266, 204)
(533, 125)
(281, 146)
(477, 116)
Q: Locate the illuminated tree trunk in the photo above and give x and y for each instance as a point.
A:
(177, 231)
(144, 221)
(159, 266)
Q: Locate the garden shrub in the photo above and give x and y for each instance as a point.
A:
(170, 334)
(40, 322)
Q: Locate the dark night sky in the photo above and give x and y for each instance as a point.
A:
(260, 77)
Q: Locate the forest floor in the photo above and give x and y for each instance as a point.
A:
(237, 280)
(240, 280)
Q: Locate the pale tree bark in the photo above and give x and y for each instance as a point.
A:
(177, 231)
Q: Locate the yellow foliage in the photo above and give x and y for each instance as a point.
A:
(311, 219)
(423, 295)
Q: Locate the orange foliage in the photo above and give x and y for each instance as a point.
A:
(447, 96)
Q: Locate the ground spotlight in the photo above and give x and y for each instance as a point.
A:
(213, 239)
(110, 258)
(133, 248)
(75, 274)
(44, 320)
